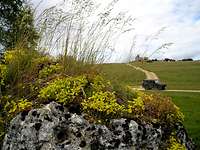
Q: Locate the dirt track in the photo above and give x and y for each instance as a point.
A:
(149, 75)
(153, 76)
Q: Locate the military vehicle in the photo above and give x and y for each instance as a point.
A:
(153, 84)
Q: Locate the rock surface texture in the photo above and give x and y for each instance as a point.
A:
(183, 137)
(55, 128)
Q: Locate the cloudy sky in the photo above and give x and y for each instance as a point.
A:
(180, 20)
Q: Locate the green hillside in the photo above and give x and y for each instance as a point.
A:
(123, 74)
(177, 75)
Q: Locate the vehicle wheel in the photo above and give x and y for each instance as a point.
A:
(161, 87)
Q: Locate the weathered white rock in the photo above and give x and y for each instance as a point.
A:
(53, 127)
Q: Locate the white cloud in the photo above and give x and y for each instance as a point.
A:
(181, 17)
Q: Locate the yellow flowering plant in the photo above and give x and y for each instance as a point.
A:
(136, 107)
(174, 144)
(13, 107)
(49, 70)
(9, 109)
(64, 90)
(104, 102)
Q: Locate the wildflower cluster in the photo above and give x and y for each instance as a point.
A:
(64, 90)
(103, 102)
(98, 99)
(49, 70)
(12, 107)
(9, 108)
(99, 84)
(9, 56)
(136, 107)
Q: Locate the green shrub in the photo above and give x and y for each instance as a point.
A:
(96, 83)
(100, 84)
(37, 64)
(162, 110)
(49, 70)
(18, 62)
(64, 90)
(40, 62)
(20, 70)
(136, 107)
(12, 107)
(9, 109)
(9, 56)
(103, 103)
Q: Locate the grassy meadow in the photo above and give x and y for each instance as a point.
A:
(123, 74)
(177, 75)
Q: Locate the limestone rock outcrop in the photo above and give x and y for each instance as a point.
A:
(54, 127)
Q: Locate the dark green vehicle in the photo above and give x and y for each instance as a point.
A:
(153, 85)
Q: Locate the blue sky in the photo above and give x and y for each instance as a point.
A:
(181, 19)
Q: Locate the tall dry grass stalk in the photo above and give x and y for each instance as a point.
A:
(82, 31)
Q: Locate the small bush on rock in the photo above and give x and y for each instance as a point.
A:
(12, 107)
(136, 107)
(97, 84)
(102, 103)
(64, 90)
(39, 63)
(42, 60)
(49, 70)
(161, 110)
(18, 62)
(100, 84)
(9, 108)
